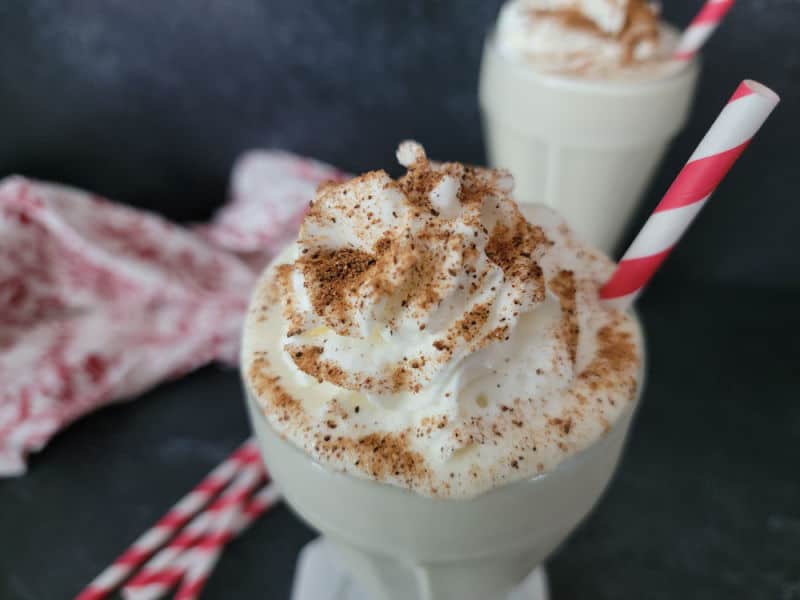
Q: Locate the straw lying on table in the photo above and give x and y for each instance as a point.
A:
(215, 522)
(205, 555)
(169, 565)
(220, 507)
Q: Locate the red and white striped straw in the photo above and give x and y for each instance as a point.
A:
(701, 28)
(730, 134)
(156, 579)
(105, 583)
(164, 570)
(204, 557)
(167, 567)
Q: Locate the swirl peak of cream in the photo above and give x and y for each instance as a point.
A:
(397, 282)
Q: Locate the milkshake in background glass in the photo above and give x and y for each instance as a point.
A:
(434, 381)
(580, 99)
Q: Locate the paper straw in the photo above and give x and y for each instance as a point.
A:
(204, 556)
(730, 134)
(155, 582)
(175, 519)
(701, 28)
(164, 570)
(170, 569)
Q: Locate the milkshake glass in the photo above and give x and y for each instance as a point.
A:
(434, 382)
(398, 545)
(585, 141)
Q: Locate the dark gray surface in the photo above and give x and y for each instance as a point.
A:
(706, 504)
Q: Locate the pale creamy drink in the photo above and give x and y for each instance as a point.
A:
(580, 99)
(434, 381)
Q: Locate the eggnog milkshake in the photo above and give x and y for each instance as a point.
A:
(580, 99)
(426, 360)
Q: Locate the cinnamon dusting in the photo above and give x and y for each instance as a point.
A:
(563, 286)
(384, 456)
(513, 250)
(331, 276)
(616, 353)
(641, 25)
(471, 325)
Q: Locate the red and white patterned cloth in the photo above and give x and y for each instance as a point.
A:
(99, 302)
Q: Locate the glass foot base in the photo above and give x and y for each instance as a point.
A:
(318, 577)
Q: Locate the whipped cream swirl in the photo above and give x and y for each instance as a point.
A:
(587, 37)
(608, 15)
(396, 282)
(424, 332)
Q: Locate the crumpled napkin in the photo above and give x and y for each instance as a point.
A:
(99, 301)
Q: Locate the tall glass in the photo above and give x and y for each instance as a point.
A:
(585, 147)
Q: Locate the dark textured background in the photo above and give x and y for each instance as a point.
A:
(149, 102)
